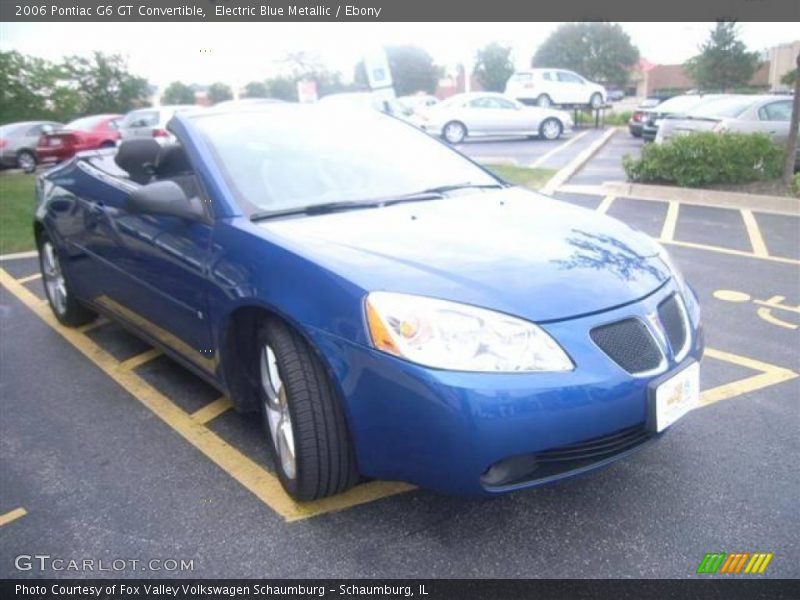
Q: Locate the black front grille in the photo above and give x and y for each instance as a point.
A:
(629, 344)
(671, 315)
(561, 460)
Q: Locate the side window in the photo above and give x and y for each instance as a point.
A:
(35, 130)
(566, 77)
(481, 103)
(503, 103)
(547, 76)
(776, 111)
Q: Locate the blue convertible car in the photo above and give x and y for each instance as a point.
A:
(389, 308)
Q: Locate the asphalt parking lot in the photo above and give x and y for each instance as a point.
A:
(110, 450)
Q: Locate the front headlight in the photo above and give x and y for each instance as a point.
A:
(459, 337)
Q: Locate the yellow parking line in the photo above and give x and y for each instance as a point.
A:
(212, 410)
(139, 359)
(12, 516)
(668, 230)
(260, 482)
(98, 322)
(721, 250)
(606, 204)
(769, 375)
(33, 277)
(754, 233)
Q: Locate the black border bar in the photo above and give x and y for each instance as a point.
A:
(395, 10)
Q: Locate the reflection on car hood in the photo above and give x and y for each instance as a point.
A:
(508, 250)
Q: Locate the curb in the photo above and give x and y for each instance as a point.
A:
(560, 178)
(16, 255)
(782, 205)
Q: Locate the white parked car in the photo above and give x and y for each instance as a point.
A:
(418, 101)
(151, 122)
(367, 101)
(490, 114)
(767, 114)
(545, 87)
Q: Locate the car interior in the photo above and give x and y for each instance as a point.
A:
(144, 161)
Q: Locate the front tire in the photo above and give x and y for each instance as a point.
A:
(454, 132)
(551, 129)
(26, 160)
(66, 308)
(309, 439)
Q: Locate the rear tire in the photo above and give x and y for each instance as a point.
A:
(305, 423)
(596, 101)
(66, 308)
(26, 160)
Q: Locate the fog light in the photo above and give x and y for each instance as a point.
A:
(509, 470)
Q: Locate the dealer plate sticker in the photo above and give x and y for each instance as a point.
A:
(677, 396)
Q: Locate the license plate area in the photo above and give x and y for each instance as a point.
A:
(671, 397)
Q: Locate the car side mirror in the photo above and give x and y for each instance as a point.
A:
(165, 198)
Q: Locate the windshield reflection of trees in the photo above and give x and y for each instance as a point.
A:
(607, 253)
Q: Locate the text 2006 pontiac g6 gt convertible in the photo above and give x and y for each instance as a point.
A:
(391, 309)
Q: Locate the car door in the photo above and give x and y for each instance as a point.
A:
(572, 88)
(774, 119)
(159, 263)
(486, 116)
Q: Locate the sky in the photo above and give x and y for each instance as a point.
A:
(236, 53)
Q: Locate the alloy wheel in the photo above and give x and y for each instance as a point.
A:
(54, 279)
(276, 412)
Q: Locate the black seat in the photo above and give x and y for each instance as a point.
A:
(172, 162)
(137, 158)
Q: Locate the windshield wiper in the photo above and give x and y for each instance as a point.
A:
(435, 193)
(312, 209)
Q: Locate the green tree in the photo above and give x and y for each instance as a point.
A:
(601, 52)
(412, 70)
(789, 78)
(723, 62)
(256, 89)
(219, 92)
(493, 66)
(282, 88)
(32, 88)
(178, 92)
(104, 84)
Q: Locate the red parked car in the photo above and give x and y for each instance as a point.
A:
(86, 133)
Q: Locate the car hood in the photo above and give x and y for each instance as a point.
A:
(508, 250)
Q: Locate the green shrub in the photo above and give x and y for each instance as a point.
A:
(707, 158)
(618, 118)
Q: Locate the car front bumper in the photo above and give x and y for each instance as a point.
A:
(444, 430)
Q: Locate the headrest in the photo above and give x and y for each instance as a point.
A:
(172, 161)
(137, 158)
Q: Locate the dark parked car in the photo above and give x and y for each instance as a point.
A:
(679, 105)
(86, 133)
(18, 143)
(389, 308)
(636, 122)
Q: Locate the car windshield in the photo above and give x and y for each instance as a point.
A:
(723, 107)
(84, 123)
(298, 157)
